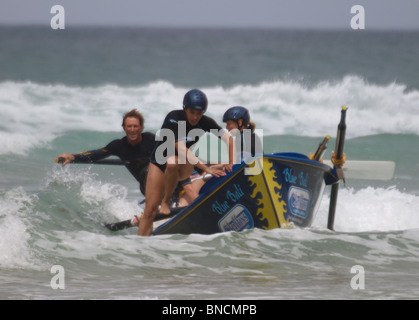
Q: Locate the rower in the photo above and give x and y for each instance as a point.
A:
(238, 122)
(134, 149)
(179, 162)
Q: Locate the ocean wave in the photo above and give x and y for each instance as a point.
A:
(374, 226)
(371, 209)
(33, 114)
(16, 208)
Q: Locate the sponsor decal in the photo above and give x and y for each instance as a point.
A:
(237, 219)
(299, 201)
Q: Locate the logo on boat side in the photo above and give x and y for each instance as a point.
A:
(232, 195)
(299, 201)
(300, 179)
(237, 219)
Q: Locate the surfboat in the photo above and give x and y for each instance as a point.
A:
(279, 190)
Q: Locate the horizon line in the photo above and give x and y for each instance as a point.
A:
(209, 27)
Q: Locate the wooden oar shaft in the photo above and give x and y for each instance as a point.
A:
(340, 142)
(117, 162)
(332, 206)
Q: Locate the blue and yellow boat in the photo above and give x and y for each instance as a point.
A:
(273, 191)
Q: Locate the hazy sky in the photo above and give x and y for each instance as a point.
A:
(379, 14)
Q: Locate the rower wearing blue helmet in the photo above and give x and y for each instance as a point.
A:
(195, 100)
(248, 143)
(172, 161)
(238, 122)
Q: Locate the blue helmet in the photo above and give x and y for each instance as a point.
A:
(195, 99)
(236, 113)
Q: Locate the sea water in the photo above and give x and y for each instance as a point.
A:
(67, 92)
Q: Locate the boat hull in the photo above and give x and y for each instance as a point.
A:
(274, 191)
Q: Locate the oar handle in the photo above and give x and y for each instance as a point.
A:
(321, 149)
(340, 139)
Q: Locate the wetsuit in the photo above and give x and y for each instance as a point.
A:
(136, 158)
(249, 145)
(172, 122)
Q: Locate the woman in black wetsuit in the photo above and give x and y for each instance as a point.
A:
(248, 143)
(134, 149)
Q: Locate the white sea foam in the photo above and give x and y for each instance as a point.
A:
(112, 198)
(371, 209)
(32, 114)
(16, 206)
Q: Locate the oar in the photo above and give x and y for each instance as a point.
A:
(102, 161)
(367, 170)
(116, 226)
(318, 155)
(121, 225)
(340, 142)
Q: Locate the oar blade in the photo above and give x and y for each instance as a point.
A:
(121, 225)
(367, 170)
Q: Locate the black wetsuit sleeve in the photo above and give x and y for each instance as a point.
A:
(92, 155)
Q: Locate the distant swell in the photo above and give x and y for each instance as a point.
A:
(32, 114)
